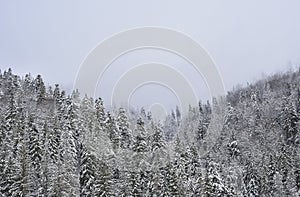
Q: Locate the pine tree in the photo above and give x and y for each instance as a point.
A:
(289, 121)
(123, 126)
(56, 92)
(298, 101)
(214, 185)
(157, 139)
(208, 109)
(113, 131)
(195, 170)
(22, 168)
(172, 179)
(35, 152)
(179, 164)
(7, 176)
(170, 127)
(70, 140)
(252, 182)
(199, 186)
(285, 165)
(21, 175)
(230, 116)
(100, 112)
(233, 147)
(143, 114)
(105, 182)
(164, 182)
(201, 131)
(76, 97)
(134, 184)
(144, 181)
(140, 143)
(87, 172)
(10, 119)
(28, 84)
(86, 113)
(54, 140)
(178, 116)
(11, 138)
(270, 177)
(40, 89)
(297, 171)
(46, 175)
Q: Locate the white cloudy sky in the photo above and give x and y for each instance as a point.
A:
(245, 38)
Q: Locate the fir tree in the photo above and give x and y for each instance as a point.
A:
(157, 139)
(140, 143)
(214, 185)
(252, 183)
(289, 121)
(113, 131)
(123, 126)
(87, 172)
(40, 89)
(105, 183)
(56, 92)
(35, 152)
(270, 177)
(70, 140)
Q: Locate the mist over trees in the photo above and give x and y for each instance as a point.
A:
(54, 144)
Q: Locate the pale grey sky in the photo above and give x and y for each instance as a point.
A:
(245, 38)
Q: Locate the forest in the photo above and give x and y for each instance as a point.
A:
(58, 144)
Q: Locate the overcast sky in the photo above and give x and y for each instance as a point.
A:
(245, 38)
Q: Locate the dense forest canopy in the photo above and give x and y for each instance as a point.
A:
(54, 144)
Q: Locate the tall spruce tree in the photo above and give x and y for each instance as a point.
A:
(125, 132)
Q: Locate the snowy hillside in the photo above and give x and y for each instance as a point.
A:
(53, 144)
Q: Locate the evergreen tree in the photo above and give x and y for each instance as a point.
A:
(100, 116)
(9, 148)
(55, 140)
(105, 182)
(270, 177)
(214, 185)
(40, 89)
(23, 182)
(170, 127)
(285, 164)
(289, 121)
(35, 152)
(157, 139)
(123, 126)
(87, 172)
(56, 92)
(179, 164)
(297, 171)
(140, 143)
(46, 173)
(113, 131)
(172, 180)
(178, 116)
(252, 183)
(87, 113)
(70, 140)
